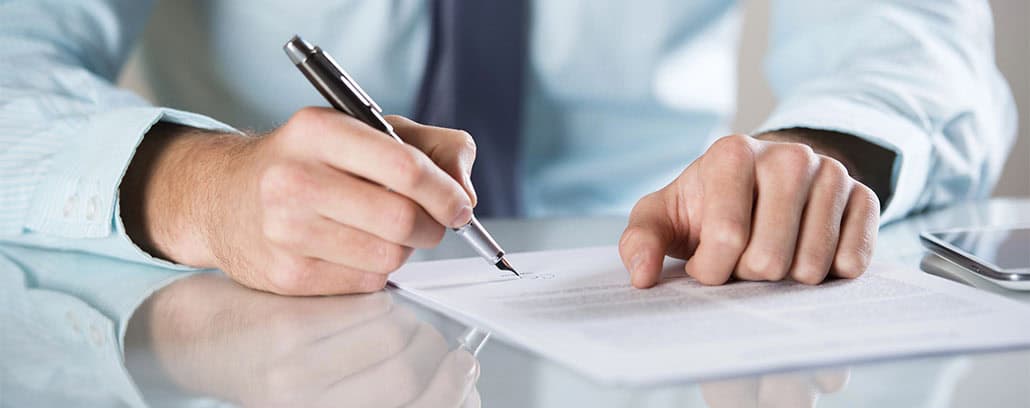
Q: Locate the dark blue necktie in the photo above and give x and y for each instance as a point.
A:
(473, 81)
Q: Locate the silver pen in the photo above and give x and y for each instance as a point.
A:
(346, 96)
(473, 339)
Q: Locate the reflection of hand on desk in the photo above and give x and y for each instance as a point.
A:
(775, 390)
(205, 335)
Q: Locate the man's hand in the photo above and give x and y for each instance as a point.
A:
(302, 210)
(206, 336)
(795, 389)
(755, 210)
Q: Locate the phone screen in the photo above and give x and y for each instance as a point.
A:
(1005, 248)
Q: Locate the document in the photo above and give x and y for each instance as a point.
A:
(577, 307)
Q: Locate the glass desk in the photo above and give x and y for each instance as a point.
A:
(201, 340)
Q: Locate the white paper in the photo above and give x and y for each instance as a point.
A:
(578, 308)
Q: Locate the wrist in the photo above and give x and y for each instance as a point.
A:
(171, 193)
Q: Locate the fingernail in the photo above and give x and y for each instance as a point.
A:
(463, 217)
(472, 189)
(635, 264)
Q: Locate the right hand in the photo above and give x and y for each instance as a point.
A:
(322, 205)
(205, 336)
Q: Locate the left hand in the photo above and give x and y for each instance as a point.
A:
(755, 210)
(800, 389)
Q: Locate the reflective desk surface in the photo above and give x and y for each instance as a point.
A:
(204, 341)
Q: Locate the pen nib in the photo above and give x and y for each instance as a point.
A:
(505, 266)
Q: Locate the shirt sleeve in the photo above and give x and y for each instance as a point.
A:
(917, 78)
(65, 317)
(67, 132)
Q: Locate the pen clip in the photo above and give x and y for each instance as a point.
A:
(352, 84)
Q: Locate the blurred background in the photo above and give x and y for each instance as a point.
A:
(1012, 46)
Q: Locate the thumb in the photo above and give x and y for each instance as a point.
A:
(646, 240)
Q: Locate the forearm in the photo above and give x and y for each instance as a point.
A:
(176, 182)
(866, 162)
(926, 89)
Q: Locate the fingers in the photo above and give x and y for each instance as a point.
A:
(298, 201)
(451, 149)
(784, 177)
(473, 400)
(728, 187)
(858, 233)
(765, 211)
(346, 144)
(353, 350)
(820, 228)
(397, 380)
(453, 383)
(733, 393)
(646, 239)
(831, 381)
(799, 389)
(299, 276)
(351, 201)
(350, 247)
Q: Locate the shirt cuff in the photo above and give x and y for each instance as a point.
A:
(76, 204)
(77, 307)
(889, 130)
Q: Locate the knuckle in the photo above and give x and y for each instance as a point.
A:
(307, 114)
(303, 119)
(810, 267)
(279, 231)
(867, 197)
(731, 235)
(734, 147)
(646, 203)
(627, 237)
(468, 144)
(808, 274)
(403, 217)
(850, 265)
(291, 278)
(765, 266)
(791, 156)
(395, 119)
(371, 282)
(710, 278)
(282, 181)
(830, 168)
(391, 257)
(411, 167)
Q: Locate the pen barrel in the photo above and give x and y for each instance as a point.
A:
(480, 241)
(335, 85)
(473, 339)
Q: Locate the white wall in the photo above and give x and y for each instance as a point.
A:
(1012, 38)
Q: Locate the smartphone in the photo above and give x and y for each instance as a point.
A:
(998, 254)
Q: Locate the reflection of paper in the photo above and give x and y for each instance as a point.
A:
(577, 307)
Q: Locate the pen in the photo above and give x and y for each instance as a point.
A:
(346, 96)
(473, 339)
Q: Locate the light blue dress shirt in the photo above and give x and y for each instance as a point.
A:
(621, 96)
